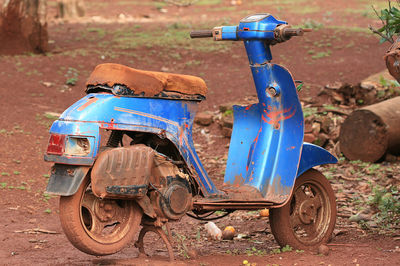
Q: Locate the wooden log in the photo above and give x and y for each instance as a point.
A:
(392, 59)
(369, 133)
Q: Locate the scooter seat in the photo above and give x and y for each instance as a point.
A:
(146, 83)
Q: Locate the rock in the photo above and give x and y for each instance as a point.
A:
(226, 132)
(192, 253)
(227, 121)
(309, 137)
(326, 122)
(368, 85)
(47, 84)
(323, 250)
(307, 128)
(334, 86)
(204, 118)
(359, 217)
(316, 128)
(321, 140)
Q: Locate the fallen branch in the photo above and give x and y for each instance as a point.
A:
(380, 34)
(36, 231)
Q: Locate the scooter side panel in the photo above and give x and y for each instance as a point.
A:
(273, 147)
(313, 155)
(246, 126)
(170, 118)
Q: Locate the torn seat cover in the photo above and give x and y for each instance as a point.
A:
(146, 83)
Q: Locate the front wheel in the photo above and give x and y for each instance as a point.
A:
(95, 226)
(308, 219)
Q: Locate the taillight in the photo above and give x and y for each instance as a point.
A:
(56, 144)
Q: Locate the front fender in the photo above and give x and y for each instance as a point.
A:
(66, 179)
(313, 155)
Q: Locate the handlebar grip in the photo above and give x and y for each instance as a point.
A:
(289, 32)
(201, 34)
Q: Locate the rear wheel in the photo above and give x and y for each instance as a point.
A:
(308, 219)
(95, 226)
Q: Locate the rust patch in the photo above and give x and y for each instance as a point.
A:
(273, 115)
(148, 83)
(244, 192)
(86, 104)
(276, 192)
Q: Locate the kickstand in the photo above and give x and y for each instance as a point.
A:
(158, 230)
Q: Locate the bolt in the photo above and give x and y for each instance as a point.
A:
(312, 206)
(272, 91)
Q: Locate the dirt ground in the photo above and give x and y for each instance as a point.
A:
(154, 36)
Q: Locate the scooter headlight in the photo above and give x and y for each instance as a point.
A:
(77, 146)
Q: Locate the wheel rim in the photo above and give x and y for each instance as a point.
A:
(106, 221)
(310, 213)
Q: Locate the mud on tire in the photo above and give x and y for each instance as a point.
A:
(309, 217)
(98, 227)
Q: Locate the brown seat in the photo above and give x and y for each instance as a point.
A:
(146, 83)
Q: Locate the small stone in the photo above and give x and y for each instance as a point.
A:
(334, 86)
(367, 85)
(359, 217)
(204, 119)
(47, 84)
(227, 132)
(323, 250)
(227, 121)
(309, 137)
(192, 253)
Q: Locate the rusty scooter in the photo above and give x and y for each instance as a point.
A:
(124, 156)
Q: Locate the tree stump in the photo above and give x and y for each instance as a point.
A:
(67, 9)
(23, 27)
(369, 133)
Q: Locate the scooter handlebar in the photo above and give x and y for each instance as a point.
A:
(285, 32)
(201, 34)
(290, 32)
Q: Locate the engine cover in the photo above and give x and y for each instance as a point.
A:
(122, 172)
(175, 199)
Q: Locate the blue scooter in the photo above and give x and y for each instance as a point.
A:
(124, 154)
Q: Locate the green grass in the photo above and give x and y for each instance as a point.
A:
(350, 29)
(279, 2)
(321, 55)
(208, 2)
(175, 36)
(100, 31)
